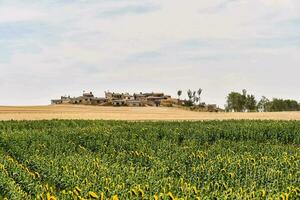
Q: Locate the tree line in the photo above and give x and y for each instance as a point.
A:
(194, 97)
(243, 102)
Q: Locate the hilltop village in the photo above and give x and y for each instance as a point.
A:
(133, 100)
(119, 99)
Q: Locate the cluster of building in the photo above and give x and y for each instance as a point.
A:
(118, 99)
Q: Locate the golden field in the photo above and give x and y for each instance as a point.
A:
(128, 113)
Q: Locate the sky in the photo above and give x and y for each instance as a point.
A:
(50, 48)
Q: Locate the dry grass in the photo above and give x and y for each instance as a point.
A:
(128, 113)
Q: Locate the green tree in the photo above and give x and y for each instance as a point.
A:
(264, 104)
(179, 93)
(291, 105)
(250, 103)
(199, 92)
(278, 105)
(235, 102)
(194, 97)
(240, 102)
(190, 95)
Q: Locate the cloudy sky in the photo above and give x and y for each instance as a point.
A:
(50, 48)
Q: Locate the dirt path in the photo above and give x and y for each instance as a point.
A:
(128, 113)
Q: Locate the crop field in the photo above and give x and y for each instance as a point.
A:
(129, 113)
(82, 159)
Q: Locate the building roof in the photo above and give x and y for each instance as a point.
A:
(127, 95)
(152, 97)
(139, 95)
(99, 98)
(56, 100)
(154, 94)
(88, 94)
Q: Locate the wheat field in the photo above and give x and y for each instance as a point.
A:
(128, 113)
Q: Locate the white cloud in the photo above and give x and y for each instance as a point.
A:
(151, 43)
(15, 13)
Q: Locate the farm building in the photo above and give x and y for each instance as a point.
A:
(115, 99)
(140, 97)
(118, 102)
(134, 103)
(85, 99)
(56, 101)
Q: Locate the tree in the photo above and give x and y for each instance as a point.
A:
(244, 91)
(179, 93)
(240, 102)
(194, 97)
(263, 104)
(190, 94)
(292, 105)
(235, 102)
(278, 105)
(197, 99)
(199, 92)
(250, 103)
(244, 99)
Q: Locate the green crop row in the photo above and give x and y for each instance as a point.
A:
(77, 159)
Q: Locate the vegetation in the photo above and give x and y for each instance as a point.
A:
(179, 93)
(242, 102)
(64, 159)
(279, 105)
(194, 98)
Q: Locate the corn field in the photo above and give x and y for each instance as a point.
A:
(77, 159)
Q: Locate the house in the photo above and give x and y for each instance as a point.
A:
(154, 94)
(85, 99)
(76, 100)
(118, 102)
(117, 96)
(114, 96)
(134, 103)
(98, 101)
(156, 99)
(65, 99)
(56, 101)
(140, 97)
(88, 95)
(108, 95)
(115, 99)
(127, 96)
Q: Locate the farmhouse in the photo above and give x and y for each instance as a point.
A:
(134, 103)
(115, 99)
(85, 99)
(118, 102)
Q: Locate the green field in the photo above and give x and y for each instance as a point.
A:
(69, 159)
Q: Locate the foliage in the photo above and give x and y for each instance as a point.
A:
(179, 93)
(264, 104)
(283, 105)
(75, 159)
(277, 105)
(235, 102)
(194, 97)
(241, 102)
(250, 103)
